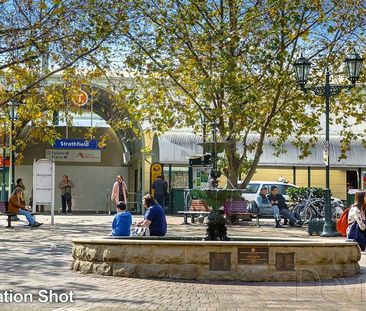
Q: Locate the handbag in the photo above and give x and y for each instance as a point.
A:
(355, 233)
(141, 231)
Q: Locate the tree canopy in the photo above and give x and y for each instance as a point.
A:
(224, 60)
(40, 39)
(236, 57)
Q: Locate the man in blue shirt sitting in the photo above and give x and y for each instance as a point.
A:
(154, 217)
(122, 221)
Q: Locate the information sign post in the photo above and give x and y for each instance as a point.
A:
(44, 185)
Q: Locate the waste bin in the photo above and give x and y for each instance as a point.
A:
(351, 196)
(177, 200)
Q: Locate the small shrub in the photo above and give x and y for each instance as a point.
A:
(297, 194)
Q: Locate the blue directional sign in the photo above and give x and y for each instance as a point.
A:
(76, 144)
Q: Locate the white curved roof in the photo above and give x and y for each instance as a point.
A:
(175, 147)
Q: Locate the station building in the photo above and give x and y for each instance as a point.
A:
(174, 148)
(94, 180)
(92, 171)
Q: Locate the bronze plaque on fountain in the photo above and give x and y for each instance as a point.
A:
(220, 261)
(285, 261)
(253, 256)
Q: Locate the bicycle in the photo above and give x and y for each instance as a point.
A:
(311, 207)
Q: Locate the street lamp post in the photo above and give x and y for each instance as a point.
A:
(215, 173)
(11, 147)
(3, 187)
(302, 67)
(12, 155)
(204, 123)
(204, 134)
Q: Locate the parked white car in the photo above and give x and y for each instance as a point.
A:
(254, 187)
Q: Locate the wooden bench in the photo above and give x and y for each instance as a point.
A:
(4, 212)
(193, 214)
(236, 209)
(197, 208)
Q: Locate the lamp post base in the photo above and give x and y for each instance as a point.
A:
(329, 230)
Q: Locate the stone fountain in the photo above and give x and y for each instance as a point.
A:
(215, 198)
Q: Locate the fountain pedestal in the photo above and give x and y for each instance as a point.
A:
(216, 227)
(216, 222)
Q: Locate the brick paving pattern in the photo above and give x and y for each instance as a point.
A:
(28, 265)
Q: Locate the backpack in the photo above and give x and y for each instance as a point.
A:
(342, 222)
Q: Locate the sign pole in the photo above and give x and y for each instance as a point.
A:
(53, 194)
(3, 186)
(10, 164)
(34, 190)
(44, 185)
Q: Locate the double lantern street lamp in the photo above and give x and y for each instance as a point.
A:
(353, 64)
(212, 147)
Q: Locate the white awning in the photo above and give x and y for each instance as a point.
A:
(175, 147)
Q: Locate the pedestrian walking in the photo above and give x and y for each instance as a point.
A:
(119, 193)
(159, 187)
(166, 193)
(66, 185)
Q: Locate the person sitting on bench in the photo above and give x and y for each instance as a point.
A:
(277, 199)
(263, 202)
(15, 206)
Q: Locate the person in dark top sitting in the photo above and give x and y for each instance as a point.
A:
(159, 188)
(154, 217)
(122, 221)
(277, 199)
(263, 202)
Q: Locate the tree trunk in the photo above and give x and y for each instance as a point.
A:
(233, 167)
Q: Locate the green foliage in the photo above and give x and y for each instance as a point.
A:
(297, 194)
(49, 51)
(235, 56)
(216, 197)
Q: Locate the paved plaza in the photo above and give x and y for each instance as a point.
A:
(28, 265)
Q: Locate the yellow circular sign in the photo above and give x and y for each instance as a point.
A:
(101, 144)
(80, 99)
